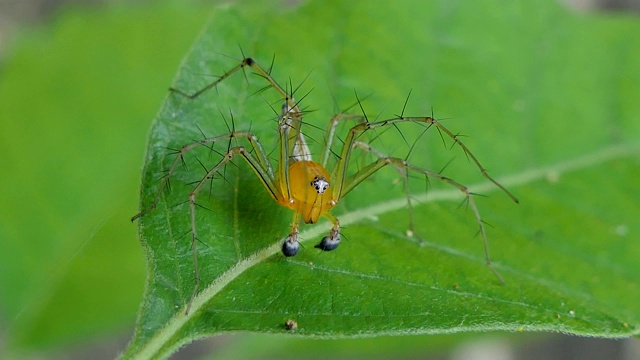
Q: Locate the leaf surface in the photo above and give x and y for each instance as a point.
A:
(544, 99)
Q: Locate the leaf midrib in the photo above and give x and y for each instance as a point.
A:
(524, 177)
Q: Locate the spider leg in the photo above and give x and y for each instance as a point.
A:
(263, 174)
(330, 134)
(383, 161)
(258, 162)
(241, 66)
(343, 184)
(262, 160)
(340, 171)
(293, 146)
(405, 180)
(291, 118)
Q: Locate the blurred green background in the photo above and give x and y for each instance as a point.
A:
(79, 85)
(78, 94)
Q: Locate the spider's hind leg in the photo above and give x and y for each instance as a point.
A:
(411, 231)
(404, 167)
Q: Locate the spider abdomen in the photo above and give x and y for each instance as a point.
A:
(309, 185)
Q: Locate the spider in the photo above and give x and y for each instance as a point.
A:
(304, 185)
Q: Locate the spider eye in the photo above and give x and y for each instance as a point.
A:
(320, 184)
(329, 243)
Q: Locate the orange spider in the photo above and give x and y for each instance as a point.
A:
(302, 184)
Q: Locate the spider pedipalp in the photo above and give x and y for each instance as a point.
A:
(291, 246)
(329, 242)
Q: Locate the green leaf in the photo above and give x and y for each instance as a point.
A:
(545, 99)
